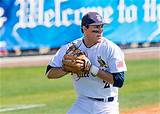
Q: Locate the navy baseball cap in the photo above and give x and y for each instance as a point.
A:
(92, 18)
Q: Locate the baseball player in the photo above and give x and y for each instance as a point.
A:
(97, 90)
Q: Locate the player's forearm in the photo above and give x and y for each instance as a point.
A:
(54, 73)
(106, 76)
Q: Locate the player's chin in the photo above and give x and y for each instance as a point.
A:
(98, 36)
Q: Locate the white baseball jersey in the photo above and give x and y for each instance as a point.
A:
(106, 56)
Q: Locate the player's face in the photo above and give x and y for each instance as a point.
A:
(94, 32)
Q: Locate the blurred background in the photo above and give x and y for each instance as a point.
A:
(31, 31)
(33, 27)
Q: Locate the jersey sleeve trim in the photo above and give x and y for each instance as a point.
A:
(48, 68)
(118, 79)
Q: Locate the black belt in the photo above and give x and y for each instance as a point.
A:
(109, 99)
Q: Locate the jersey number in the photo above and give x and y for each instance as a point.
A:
(106, 84)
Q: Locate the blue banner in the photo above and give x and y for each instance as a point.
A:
(32, 24)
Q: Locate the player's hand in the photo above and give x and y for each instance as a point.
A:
(75, 61)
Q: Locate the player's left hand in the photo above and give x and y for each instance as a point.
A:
(75, 61)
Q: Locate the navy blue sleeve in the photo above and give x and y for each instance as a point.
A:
(48, 68)
(118, 79)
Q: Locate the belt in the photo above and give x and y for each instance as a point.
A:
(109, 99)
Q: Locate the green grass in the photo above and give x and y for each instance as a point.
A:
(28, 85)
(142, 85)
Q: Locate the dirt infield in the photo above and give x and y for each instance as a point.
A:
(146, 53)
(155, 109)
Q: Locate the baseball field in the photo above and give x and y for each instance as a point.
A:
(26, 90)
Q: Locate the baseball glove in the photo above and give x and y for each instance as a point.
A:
(75, 61)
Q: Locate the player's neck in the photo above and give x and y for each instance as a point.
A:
(89, 42)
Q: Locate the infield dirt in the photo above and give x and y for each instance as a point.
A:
(155, 109)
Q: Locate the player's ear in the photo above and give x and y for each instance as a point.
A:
(84, 28)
